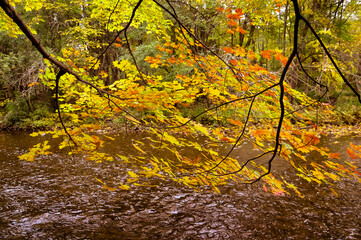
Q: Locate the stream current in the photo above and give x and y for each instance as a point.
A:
(59, 197)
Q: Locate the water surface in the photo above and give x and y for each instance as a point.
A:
(58, 197)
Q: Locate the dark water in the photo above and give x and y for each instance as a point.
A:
(59, 198)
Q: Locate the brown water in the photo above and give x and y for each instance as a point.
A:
(59, 198)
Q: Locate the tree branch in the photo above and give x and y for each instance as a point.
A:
(11, 12)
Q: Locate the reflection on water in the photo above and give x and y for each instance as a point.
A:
(59, 198)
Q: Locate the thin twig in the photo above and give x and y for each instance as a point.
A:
(58, 76)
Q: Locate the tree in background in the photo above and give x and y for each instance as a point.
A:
(194, 76)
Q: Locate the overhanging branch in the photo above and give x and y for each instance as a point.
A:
(11, 12)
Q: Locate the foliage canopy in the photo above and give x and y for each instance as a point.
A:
(194, 76)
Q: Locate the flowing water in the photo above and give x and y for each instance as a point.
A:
(58, 197)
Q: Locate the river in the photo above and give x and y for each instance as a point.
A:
(59, 197)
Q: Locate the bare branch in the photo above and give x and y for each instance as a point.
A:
(58, 76)
(329, 56)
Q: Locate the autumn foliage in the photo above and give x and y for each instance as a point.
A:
(240, 101)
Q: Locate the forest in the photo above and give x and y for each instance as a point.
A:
(197, 78)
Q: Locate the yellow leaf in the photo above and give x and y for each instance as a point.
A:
(150, 172)
(201, 129)
(213, 152)
(171, 139)
(132, 174)
(34, 134)
(138, 148)
(111, 138)
(132, 119)
(132, 180)
(216, 189)
(215, 92)
(332, 176)
(334, 192)
(144, 185)
(124, 158)
(100, 181)
(123, 186)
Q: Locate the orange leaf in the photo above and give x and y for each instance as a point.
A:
(241, 30)
(260, 132)
(279, 192)
(228, 50)
(32, 84)
(234, 16)
(230, 31)
(117, 44)
(334, 155)
(356, 147)
(226, 139)
(234, 62)
(235, 122)
(350, 152)
(282, 58)
(239, 51)
(239, 11)
(237, 15)
(232, 23)
(230, 16)
(220, 9)
(172, 60)
(266, 54)
(334, 192)
(109, 188)
(251, 55)
(356, 171)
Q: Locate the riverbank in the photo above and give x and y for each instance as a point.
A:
(338, 121)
